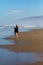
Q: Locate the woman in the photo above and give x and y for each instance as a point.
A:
(16, 31)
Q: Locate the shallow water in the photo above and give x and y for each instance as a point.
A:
(11, 58)
(8, 31)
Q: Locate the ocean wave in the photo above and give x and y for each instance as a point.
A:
(27, 26)
(2, 27)
(10, 28)
(5, 27)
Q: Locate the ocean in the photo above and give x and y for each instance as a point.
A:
(26, 24)
(8, 57)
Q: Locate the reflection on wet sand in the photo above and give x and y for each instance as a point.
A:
(17, 58)
(28, 50)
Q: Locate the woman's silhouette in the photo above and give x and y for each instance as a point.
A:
(16, 31)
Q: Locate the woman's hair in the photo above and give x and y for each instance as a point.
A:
(16, 25)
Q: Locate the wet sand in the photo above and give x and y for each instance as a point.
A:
(27, 42)
(20, 58)
(31, 41)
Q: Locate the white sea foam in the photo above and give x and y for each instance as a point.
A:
(28, 26)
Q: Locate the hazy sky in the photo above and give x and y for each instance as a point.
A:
(11, 10)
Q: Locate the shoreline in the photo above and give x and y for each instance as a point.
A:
(31, 41)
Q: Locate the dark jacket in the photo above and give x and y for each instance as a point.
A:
(16, 29)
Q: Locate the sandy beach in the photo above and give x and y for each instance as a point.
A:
(31, 41)
(27, 42)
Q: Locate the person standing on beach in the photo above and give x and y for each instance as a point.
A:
(16, 31)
